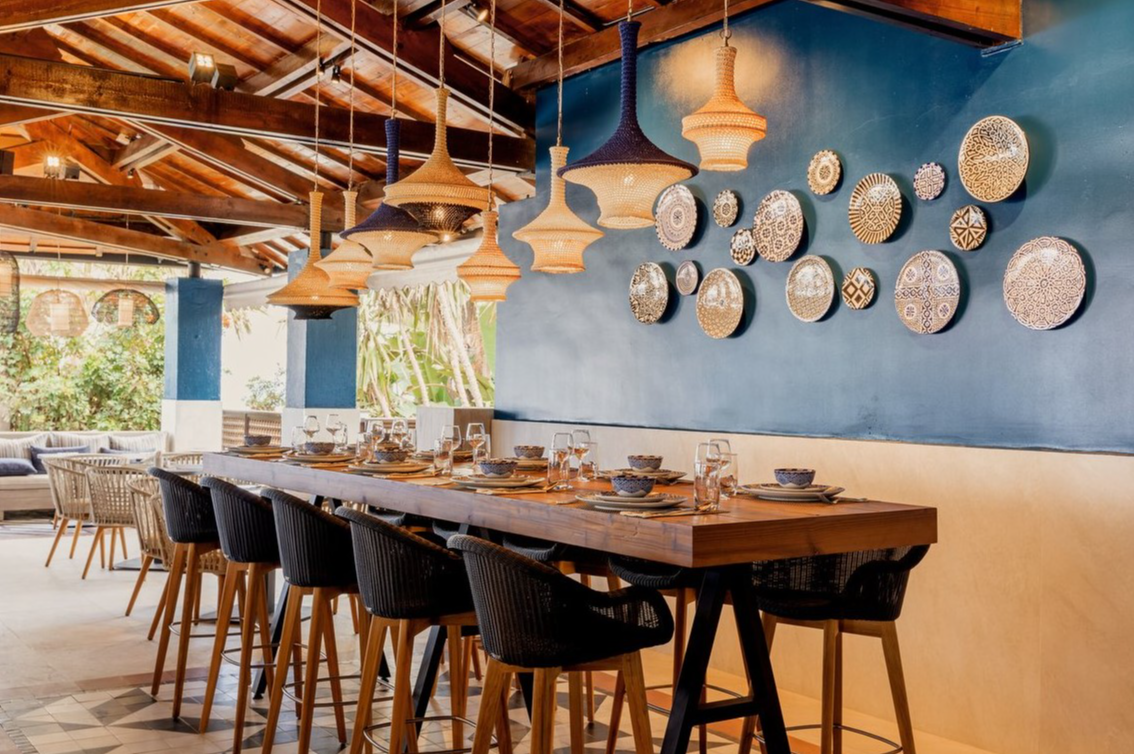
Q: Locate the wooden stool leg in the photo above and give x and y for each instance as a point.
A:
(58, 536)
(159, 611)
(113, 540)
(224, 614)
(575, 706)
(95, 543)
(288, 636)
(616, 712)
(504, 722)
(458, 684)
(837, 696)
(827, 696)
(122, 539)
(192, 585)
(403, 705)
(142, 572)
(254, 603)
(333, 673)
(311, 669)
(898, 685)
(492, 697)
(75, 539)
(173, 584)
(376, 637)
(261, 607)
(544, 708)
(636, 702)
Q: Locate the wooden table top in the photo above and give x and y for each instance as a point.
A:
(744, 530)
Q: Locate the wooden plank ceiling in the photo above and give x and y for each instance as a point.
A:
(174, 170)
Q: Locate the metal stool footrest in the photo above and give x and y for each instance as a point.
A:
(897, 748)
(228, 653)
(289, 686)
(175, 630)
(384, 746)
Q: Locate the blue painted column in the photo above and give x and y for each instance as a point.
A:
(322, 362)
(191, 403)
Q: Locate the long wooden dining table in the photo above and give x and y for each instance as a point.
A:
(722, 544)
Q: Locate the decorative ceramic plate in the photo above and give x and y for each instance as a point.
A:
(929, 181)
(610, 496)
(993, 159)
(676, 218)
(259, 450)
(720, 302)
(968, 227)
(664, 476)
(687, 278)
(773, 492)
(483, 481)
(927, 292)
(649, 293)
(725, 208)
(824, 172)
(741, 246)
(629, 504)
(778, 225)
(858, 288)
(319, 458)
(810, 288)
(1044, 283)
(875, 207)
(401, 466)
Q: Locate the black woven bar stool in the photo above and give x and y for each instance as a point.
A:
(192, 527)
(247, 532)
(408, 584)
(317, 560)
(846, 593)
(533, 618)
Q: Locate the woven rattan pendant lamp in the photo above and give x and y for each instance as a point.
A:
(558, 236)
(628, 172)
(310, 295)
(725, 127)
(125, 308)
(57, 313)
(9, 293)
(437, 194)
(390, 233)
(488, 272)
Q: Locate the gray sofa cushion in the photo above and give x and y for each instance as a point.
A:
(20, 448)
(38, 451)
(13, 467)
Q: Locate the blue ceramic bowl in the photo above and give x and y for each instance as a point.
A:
(390, 455)
(795, 478)
(645, 462)
(257, 440)
(528, 452)
(497, 467)
(632, 486)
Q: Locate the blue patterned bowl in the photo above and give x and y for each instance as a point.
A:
(795, 478)
(390, 455)
(497, 467)
(632, 486)
(645, 462)
(318, 448)
(528, 452)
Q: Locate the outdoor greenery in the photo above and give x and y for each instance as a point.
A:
(265, 394)
(424, 345)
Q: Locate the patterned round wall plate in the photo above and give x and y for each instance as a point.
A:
(993, 158)
(720, 303)
(858, 289)
(649, 293)
(741, 247)
(778, 225)
(687, 277)
(824, 172)
(927, 292)
(968, 227)
(810, 288)
(929, 181)
(875, 208)
(1044, 283)
(725, 208)
(676, 217)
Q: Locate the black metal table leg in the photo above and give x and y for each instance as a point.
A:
(260, 682)
(431, 659)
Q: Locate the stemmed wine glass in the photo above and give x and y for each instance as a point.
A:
(560, 461)
(338, 430)
(477, 437)
(310, 426)
(580, 444)
(452, 433)
(398, 431)
(707, 479)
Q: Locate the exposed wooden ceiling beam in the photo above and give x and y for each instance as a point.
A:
(16, 115)
(417, 56)
(73, 229)
(77, 88)
(295, 72)
(143, 151)
(576, 14)
(669, 21)
(72, 283)
(978, 23)
(135, 201)
(22, 14)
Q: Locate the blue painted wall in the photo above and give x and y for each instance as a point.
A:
(193, 339)
(886, 99)
(322, 354)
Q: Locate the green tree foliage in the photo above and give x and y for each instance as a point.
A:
(265, 394)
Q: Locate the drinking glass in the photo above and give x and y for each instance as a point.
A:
(729, 474)
(579, 441)
(298, 437)
(410, 442)
(310, 426)
(559, 462)
(708, 452)
(452, 433)
(707, 485)
(723, 444)
(398, 431)
(477, 437)
(443, 456)
(589, 462)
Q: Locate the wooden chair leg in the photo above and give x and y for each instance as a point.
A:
(376, 637)
(261, 606)
(60, 530)
(458, 684)
(403, 705)
(220, 638)
(636, 702)
(192, 588)
(616, 712)
(248, 621)
(173, 584)
(288, 636)
(75, 539)
(96, 543)
(504, 722)
(575, 709)
(898, 685)
(311, 669)
(122, 539)
(837, 696)
(333, 673)
(102, 551)
(827, 696)
(142, 572)
(475, 645)
(492, 704)
(159, 611)
(544, 708)
(113, 542)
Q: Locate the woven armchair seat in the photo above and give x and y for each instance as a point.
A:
(315, 547)
(188, 509)
(654, 575)
(401, 518)
(112, 503)
(245, 523)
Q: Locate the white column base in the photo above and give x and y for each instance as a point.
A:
(292, 416)
(193, 425)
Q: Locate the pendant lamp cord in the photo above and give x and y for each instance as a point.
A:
(351, 105)
(630, 9)
(492, 88)
(560, 81)
(318, 81)
(394, 79)
(441, 47)
(725, 33)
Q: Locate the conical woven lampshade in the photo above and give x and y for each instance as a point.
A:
(349, 266)
(310, 295)
(57, 313)
(488, 272)
(390, 233)
(125, 308)
(724, 128)
(629, 171)
(9, 293)
(438, 194)
(557, 235)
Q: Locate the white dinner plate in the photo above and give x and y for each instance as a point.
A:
(482, 481)
(632, 504)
